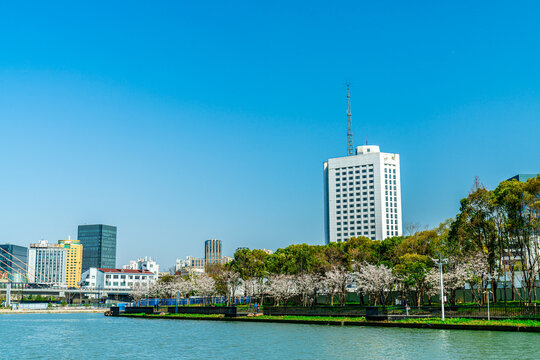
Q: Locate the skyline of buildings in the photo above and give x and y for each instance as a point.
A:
(372, 174)
(362, 195)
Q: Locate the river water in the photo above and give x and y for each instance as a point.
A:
(94, 336)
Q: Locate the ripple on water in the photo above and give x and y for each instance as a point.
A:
(94, 336)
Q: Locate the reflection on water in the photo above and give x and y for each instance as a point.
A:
(94, 336)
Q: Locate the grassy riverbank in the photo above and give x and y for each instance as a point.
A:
(463, 321)
(432, 323)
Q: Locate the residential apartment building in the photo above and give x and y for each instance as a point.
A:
(117, 279)
(362, 195)
(74, 258)
(47, 263)
(13, 260)
(99, 244)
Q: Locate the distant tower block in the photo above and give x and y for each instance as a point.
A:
(362, 195)
(212, 251)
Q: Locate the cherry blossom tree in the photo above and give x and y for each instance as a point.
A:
(138, 292)
(232, 281)
(157, 290)
(376, 280)
(250, 287)
(477, 275)
(455, 276)
(205, 286)
(282, 287)
(337, 279)
(306, 284)
(182, 286)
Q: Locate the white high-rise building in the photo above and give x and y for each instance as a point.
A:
(362, 195)
(47, 263)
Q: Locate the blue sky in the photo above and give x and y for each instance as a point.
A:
(178, 121)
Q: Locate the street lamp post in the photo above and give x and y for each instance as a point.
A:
(442, 292)
(440, 262)
(488, 304)
(487, 290)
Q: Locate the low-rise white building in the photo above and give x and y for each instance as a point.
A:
(145, 263)
(116, 279)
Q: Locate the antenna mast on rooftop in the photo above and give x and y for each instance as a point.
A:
(350, 146)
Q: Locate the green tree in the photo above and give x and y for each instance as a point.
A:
(294, 259)
(476, 228)
(387, 251)
(412, 269)
(519, 205)
(425, 243)
(360, 250)
(249, 263)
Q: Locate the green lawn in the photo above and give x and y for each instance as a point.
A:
(464, 321)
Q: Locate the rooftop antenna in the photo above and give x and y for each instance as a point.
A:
(350, 146)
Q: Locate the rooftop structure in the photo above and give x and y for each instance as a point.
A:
(145, 263)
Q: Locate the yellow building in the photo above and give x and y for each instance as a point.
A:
(74, 261)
